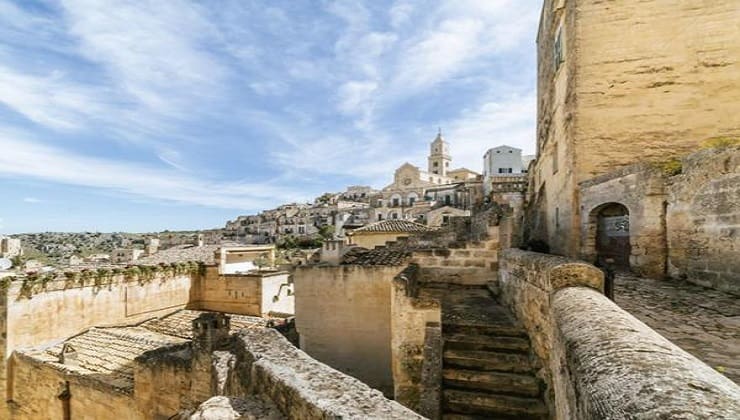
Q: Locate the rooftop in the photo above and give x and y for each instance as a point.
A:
(378, 256)
(392, 226)
(107, 354)
(182, 253)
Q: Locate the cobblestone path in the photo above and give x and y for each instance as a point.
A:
(704, 322)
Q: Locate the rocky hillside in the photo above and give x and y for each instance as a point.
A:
(57, 247)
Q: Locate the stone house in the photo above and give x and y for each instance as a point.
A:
(379, 233)
(618, 84)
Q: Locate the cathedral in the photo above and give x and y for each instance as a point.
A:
(414, 192)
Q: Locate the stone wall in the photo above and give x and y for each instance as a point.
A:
(703, 220)
(596, 359)
(37, 386)
(255, 294)
(343, 316)
(302, 387)
(641, 189)
(162, 381)
(36, 311)
(640, 81)
(410, 316)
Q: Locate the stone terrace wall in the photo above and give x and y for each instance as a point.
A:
(343, 316)
(244, 294)
(37, 385)
(597, 360)
(703, 220)
(411, 320)
(301, 387)
(35, 311)
(640, 188)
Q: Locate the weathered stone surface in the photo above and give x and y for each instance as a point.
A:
(227, 408)
(704, 322)
(304, 388)
(622, 369)
(703, 220)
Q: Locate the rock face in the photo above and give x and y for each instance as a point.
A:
(225, 408)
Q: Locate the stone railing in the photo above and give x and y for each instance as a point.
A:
(597, 360)
(302, 387)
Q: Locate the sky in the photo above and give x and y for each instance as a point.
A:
(145, 115)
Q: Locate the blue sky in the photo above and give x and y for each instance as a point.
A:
(170, 114)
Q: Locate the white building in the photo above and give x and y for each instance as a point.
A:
(503, 161)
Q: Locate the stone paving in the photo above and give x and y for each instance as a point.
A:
(704, 322)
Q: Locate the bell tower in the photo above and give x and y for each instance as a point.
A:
(439, 156)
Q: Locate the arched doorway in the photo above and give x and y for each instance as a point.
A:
(612, 222)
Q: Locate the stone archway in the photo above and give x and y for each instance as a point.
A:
(610, 233)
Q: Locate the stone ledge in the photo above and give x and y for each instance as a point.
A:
(620, 368)
(556, 272)
(302, 387)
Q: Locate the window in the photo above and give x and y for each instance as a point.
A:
(412, 200)
(396, 202)
(445, 219)
(447, 164)
(448, 200)
(505, 170)
(380, 216)
(435, 164)
(558, 56)
(395, 215)
(301, 229)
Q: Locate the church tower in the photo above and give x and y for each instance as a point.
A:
(439, 156)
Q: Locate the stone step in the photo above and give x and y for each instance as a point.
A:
(483, 329)
(498, 382)
(486, 342)
(459, 416)
(486, 361)
(467, 402)
(463, 276)
(494, 287)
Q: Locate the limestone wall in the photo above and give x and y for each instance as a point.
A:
(597, 360)
(36, 387)
(640, 188)
(303, 388)
(343, 316)
(62, 308)
(37, 311)
(703, 220)
(162, 381)
(410, 316)
(640, 81)
(244, 294)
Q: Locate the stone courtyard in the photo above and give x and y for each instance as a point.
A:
(704, 322)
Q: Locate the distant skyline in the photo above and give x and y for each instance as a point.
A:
(150, 115)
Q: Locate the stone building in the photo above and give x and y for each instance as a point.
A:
(619, 83)
(379, 233)
(10, 247)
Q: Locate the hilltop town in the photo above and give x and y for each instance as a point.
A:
(598, 279)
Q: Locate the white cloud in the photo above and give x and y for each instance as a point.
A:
(493, 123)
(23, 157)
(32, 200)
(152, 50)
(48, 100)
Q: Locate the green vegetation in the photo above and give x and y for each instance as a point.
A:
(720, 142)
(670, 167)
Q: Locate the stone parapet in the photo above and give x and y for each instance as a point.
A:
(303, 388)
(598, 361)
(620, 368)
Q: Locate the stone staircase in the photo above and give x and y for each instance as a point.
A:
(487, 369)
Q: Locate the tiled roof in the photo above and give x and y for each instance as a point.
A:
(393, 225)
(378, 256)
(182, 253)
(107, 354)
